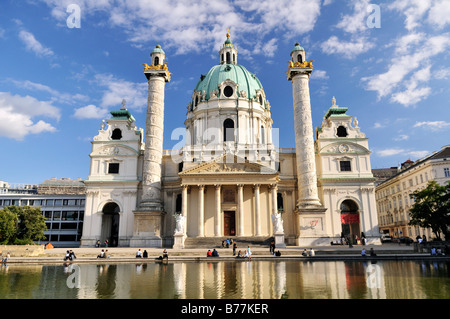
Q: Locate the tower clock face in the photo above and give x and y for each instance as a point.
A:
(343, 148)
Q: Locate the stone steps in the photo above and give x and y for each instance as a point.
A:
(216, 242)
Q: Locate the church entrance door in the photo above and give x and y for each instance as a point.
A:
(110, 224)
(350, 221)
(229, 223)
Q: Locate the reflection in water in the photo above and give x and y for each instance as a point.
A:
(231, 280)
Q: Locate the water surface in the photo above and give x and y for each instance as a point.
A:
(229, 280)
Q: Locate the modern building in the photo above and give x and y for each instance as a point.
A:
(229, 179)
(62, 203)
(393, 194)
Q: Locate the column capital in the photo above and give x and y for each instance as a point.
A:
(240, 185)
(218, 186)
(202, 187)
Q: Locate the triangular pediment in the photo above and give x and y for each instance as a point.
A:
(230, 164)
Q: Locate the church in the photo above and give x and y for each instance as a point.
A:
(229, 180)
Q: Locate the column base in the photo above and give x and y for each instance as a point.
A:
(147, 229)
(178, 241)
(279, 240)
(312, 224)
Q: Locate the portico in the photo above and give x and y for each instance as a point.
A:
(243, 199)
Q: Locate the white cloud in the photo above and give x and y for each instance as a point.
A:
(319, 75)
(34, 45)
(434, 12)
(116, 90)
(439, 14)
(56, 96)
(356, 21)
(418, 154)
(390, 152)
(433, 125)
(400, 151)
(442, 74)
(417, 60)
(90, 112)
(378, 125)
(348, 49)
(193, 26)
(18, 112)
(414, 11)
(401, 137)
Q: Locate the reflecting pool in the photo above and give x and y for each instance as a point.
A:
(229, 280)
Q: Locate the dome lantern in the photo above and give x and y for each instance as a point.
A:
(298, 53)
(228, 53)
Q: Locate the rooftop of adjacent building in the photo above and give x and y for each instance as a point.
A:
(49, 186)
(389, 173)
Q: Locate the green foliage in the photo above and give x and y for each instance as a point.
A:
(21, 225)
(8, 226)
(431, 208)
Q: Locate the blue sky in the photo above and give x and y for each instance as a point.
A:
(57, 83)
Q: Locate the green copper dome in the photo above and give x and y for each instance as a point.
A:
(158, 49)
(297, 47)
(247, 81)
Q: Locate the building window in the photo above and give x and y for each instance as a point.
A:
(447, 172)
(228, 130)
(116, 134)
(341, 131)
(280, 205)
(345, 166)
(228, 91)
(113, 168)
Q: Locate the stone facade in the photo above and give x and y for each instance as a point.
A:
(228, 179)
(393, 195)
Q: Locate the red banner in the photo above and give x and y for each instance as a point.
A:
(349, 218)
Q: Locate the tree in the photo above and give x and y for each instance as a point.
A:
(28, 226)
(8, 226)
(431, 209)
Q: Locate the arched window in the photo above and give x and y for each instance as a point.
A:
(234, 58)
(196, 101)
(299, 58)
(116, 134)
(228, 130)
(156, 60)
(280, 205)
(341, 131)
(178, 203)
(228, 58)
(263, 135)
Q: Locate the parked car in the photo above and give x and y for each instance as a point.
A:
(385, 238)
(405, 240)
